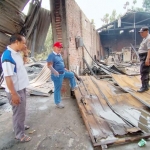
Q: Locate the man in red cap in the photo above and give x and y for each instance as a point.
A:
(144, 54)
(59, 72)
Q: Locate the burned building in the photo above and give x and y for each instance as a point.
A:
(123, 32)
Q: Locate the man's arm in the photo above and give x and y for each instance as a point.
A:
(14, 95)
(50, 66)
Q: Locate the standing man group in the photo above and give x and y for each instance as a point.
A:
(144, 54)
(15, 83)
(59, 72)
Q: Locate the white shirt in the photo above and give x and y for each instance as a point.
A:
(13, 65)
(145, 45)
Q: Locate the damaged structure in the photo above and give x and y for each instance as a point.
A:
(112, 114)
(123, 32)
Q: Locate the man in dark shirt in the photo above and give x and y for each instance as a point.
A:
(59, 72)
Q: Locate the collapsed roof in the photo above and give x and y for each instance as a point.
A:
(14, 21)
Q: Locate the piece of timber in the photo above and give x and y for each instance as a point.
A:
(124, 140)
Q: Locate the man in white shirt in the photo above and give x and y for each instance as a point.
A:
(144, 54)
(15, 83)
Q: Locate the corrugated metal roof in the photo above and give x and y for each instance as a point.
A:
(111, 116)
(11, 19)
(131, 84)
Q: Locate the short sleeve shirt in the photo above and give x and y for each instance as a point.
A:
(57, 61)
(145, 45)
(13, 65)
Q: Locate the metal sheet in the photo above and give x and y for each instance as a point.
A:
(131, 84)
(126, 106)
(40, 83)
(101, 104)
(11, 18)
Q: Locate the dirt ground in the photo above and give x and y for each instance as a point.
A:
(51, 128)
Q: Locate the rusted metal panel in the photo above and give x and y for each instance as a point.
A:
(8, 26)
(18, 4)
(3, 40)
(126, 106)
(11, 13)
(11, 19)
(131, 84)
(108, 112)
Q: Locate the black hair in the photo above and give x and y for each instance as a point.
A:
(15, 37)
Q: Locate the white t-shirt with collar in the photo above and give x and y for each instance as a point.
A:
(13, 65)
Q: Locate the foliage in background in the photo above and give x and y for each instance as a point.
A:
(146, 5)
(47, 46)
(110, 18)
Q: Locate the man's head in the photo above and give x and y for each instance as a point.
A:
(144, 31)
(57, 47)
(18, 42)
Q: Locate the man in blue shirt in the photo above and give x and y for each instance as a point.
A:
(59, 72)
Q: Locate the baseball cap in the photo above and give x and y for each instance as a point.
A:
(58, 44)
(143, 29)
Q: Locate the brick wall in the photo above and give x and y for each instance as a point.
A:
(79, 25)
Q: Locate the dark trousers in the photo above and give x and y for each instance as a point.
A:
(144, 70)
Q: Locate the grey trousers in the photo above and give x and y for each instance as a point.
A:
(19, 113)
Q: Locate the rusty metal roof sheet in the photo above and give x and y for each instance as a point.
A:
(126, 106)
(131, 84)
(12, 19)
(107, 113)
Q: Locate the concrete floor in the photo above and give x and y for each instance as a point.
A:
(56, 129)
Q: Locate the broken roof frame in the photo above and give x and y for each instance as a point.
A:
(96, 102)
(127, 20)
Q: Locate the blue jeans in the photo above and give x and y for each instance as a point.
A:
(58, 80)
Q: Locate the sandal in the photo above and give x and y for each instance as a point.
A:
(25, 138)
(26, 127)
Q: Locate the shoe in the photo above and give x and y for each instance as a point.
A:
(60, 105)
(142, 89)
(75, 88)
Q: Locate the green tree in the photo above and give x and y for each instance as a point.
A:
(105, 19)
(113, 16)
(49, 40)
(146, 5)
(47, 46)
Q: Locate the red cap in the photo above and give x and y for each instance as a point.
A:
(58, 44)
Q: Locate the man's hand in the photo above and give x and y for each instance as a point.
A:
(147, 62)
(15, 99)
(50, 66)
(66, 69)
(14, 95)
(56, 73)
